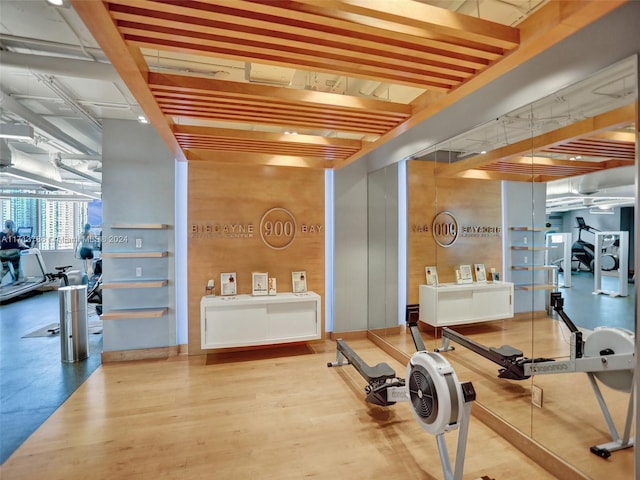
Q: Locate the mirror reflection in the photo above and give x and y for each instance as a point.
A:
(520, 266)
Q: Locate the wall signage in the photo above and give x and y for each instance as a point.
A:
(446, 230)
(278, 229)
(222, 230)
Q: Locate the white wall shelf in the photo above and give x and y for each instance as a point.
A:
(134, 254)
(457, 304)
(142, 226)
(245, 320)
(136, 284)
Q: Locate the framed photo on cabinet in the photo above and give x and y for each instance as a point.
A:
(465, 274)
(431, 274)
(273, 290)
(299, 282)
(228, 284)
(259, 283)
(481, 274)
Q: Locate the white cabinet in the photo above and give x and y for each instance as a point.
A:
(245, 320)
(456, 304)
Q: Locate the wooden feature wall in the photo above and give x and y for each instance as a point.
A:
(225, 206)
(474, 203)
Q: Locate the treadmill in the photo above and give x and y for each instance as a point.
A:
(34, 272)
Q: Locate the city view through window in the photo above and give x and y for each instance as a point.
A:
(55, 224)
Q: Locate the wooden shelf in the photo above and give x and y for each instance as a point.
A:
(530, 247)
(134, 313)
(534, 287)
(530, 229)
(533, 267)
(136, 284)
(150, 226)
(134, 254)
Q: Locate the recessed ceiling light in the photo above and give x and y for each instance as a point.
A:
(142, 119)
(57, 3)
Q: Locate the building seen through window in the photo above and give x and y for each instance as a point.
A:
(55, 223)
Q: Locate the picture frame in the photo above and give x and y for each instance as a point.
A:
(458, 276)
(299, 282)
(259, 283)
(431, 274)
(272, 286)
(466, 275)
(481, 273)
(228, 284)
(495, 276)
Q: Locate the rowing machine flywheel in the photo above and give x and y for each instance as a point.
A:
(605, 341)
(434, 392)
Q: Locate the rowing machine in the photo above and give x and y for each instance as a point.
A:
(607, 355)
(440, 403)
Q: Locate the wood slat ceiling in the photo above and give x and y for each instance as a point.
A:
(601, 142)
(399, 42)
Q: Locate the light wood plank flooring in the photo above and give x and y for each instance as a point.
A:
(267, 414)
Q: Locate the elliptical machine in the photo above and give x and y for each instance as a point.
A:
(584, 253)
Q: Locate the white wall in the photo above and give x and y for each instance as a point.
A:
(138, 178)
(350, 249)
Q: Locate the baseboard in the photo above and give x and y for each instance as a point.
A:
(355, 335)
(141, 354)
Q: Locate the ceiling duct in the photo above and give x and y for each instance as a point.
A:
(592, 183)
(64, 67)
(270, 74)
(25, 163)
(5, 153)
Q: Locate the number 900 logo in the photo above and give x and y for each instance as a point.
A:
(445, 229)
(278, 228)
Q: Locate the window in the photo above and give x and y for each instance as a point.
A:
(56, 223)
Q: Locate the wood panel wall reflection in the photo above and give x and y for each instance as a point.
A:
(476, 205)
(245, 219)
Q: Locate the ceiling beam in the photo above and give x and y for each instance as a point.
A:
(418, 19)
(239, 158)
(331, 102)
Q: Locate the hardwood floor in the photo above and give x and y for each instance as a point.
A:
(267, 414)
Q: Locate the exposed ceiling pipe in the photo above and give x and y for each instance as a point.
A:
(49, 46)
(9, 103)
(47, 182)
(67, 67)
(62, 92)
(59, 164)
(38, 173)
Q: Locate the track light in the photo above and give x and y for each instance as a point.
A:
(601, 211)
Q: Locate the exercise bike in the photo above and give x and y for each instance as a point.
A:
(583, 252)
(607, 355)
(67, 277)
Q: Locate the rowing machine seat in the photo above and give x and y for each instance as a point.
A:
(507, 352)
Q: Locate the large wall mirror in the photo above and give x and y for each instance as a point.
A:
(516, 231)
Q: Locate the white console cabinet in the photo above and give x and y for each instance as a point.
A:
(456, 304)
(245, 320)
